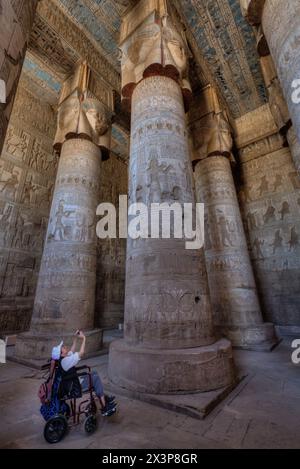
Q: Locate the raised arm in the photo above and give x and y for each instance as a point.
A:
(82, 348)
(73, 348)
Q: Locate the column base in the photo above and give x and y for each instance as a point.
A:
(179, 371)
(34, 349)
(258, 337)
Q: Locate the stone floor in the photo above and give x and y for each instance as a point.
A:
(262, 412)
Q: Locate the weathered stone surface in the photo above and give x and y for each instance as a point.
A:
(294, 147)
(269, 197)
(156, 371)
(164, 279)
(233, 292)
(152, 44)
(16, 19)
(167, 305)
(28, 168)
(111, 253)
(65, 296)
(281, 26)
(232, 285)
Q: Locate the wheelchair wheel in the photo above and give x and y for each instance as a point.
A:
(90, 424)
(55, 429)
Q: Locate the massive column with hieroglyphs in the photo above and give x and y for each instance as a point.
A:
(16, 19)
(235, 302)
(65, 296)
(169, 343)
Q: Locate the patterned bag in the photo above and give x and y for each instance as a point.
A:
(45, 389)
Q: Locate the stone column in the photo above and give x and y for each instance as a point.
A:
(280, 23)
(235, 303)
(277, 102)
(16, 19)
(169, 344)
(65, 295)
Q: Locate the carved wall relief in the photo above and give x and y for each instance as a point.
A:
(270, 201)
(16, 19)
(111, 253)
(27, 174)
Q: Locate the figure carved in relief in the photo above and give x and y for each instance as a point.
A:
(277, 243)
(139, 194)
(176, 193)
(38, 158)
(10, 186)
(285, 209)
(257, 245)
(294, 239)
(278, 182)
(81, 229)
(186, 175)
(18, 237)
(251, 220)
(29, 191)
(264, 186)
(270, 213)
(245, 195)
(39, 239)
(208, 241)
(59, 226)
(46, 195)
(16, 146)
(224, 230)
(5, 224)
(154, 169)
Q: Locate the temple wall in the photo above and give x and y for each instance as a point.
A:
(16, 19)
(111, 252)
(27, 174)
(270, 201)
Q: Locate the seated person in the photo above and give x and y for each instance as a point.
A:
(68, 358)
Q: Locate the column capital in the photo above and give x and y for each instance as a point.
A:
(210, 128)
(252, 10)
(152, 43)
(85, 110)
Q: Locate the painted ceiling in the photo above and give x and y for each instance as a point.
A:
(222, 42)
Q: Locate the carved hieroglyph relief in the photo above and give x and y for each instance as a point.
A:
(233, 290)
(232, 285)
(281, 26)
(16, 20)
(166, 284)
(270, 200)
(66, 285)
(27, 174)
(111, 253)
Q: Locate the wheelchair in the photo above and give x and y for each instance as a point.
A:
(62, 411)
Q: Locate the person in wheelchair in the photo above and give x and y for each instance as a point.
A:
(67, 359)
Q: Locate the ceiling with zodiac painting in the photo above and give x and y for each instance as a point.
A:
(221, 41)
